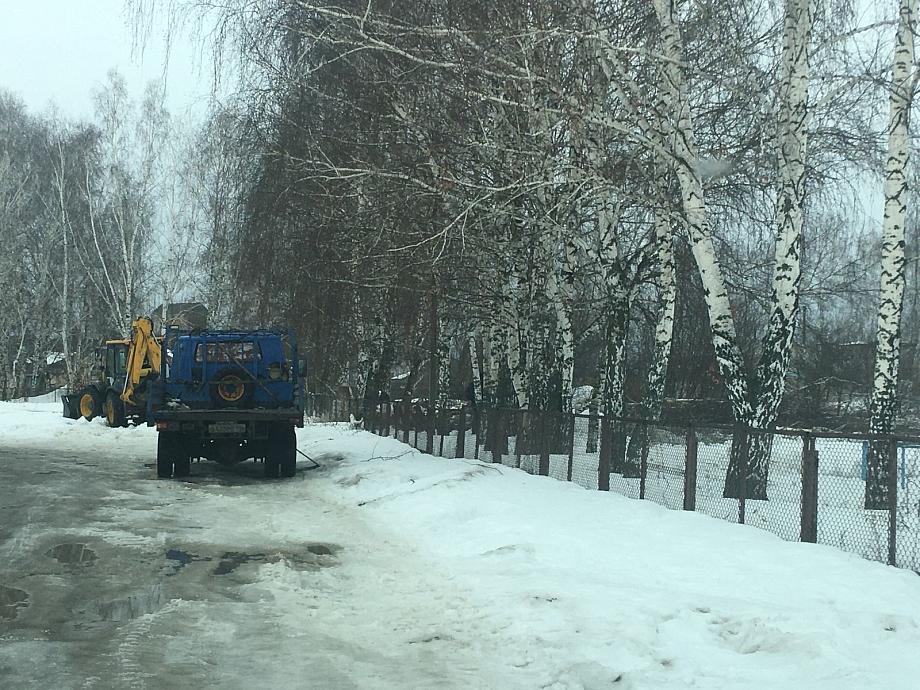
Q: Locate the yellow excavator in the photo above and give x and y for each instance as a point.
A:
(124, 371)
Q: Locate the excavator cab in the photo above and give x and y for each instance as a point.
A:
(116, 358)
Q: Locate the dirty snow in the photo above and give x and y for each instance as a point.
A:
(508, 580)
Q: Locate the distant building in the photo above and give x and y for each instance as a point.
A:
(187, 315)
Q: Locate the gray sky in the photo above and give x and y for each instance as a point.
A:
(59, 51)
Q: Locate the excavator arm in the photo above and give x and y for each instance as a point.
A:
(143, 345)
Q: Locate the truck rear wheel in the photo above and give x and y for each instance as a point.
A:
(173, 455)
(288, 444)
(165, 454)
(280, 451)
(271, 466)
(182, 466)
(115, 410)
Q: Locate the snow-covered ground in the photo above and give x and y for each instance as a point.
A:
(842, 519)
(518, 581)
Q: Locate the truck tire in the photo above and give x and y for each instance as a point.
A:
(232, 387)
(89, 403)
(280, 451)
(182, 465)
(174, 455)
(287, 442)
(182, 455)
(271, 465)
(115, 410)
(166, 453)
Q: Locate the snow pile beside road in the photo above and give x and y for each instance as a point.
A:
(24, 424)
(599, 587)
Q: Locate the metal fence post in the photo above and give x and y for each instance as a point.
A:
(603, 460)
(520, 426)
(407, 419)
(743, 440)
(892, 501)
(690, 470)
(443, 426)
(544, 418)
(643, 461)
(477, 431)
(460, 450)
(429, 441)
(809, 531)
(495, 431)
(568, 470)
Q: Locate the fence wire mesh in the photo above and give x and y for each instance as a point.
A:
(781, 512)
(586, 451)
(714, 451)
(666, 466)
(843, 521)
(796, 485)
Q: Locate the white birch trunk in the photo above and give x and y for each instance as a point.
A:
(473, 342)
(686, 159)
(362, 357)
(664, 328)
(65, 277)
(445, 338)
(891, 294)
(512, 333)
(493, 354)
(792, 139)
(618, 305)
(564, 336)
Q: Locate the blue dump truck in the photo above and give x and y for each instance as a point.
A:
(227, 396)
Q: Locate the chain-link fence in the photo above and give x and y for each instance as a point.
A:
(799, 485)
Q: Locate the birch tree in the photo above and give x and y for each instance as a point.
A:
(119, 184)
(758, 410)
(891, 294)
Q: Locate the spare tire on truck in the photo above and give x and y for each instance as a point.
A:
(232, 387)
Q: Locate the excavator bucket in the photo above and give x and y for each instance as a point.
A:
(71, 405)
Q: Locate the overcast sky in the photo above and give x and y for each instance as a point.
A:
(59, 51)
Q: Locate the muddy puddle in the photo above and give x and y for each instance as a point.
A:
(11, 601)
(72, 553)
(148, 600)
(313, 557)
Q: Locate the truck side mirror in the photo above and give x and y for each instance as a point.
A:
(301, 368)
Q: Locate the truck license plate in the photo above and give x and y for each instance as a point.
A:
(227, 428)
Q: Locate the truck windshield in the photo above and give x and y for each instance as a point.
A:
(223, 353)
